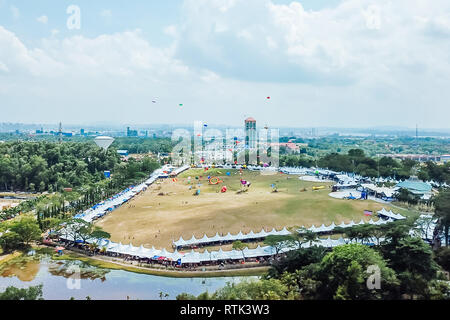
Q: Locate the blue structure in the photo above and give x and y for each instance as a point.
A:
(123, 152)
(415, 186)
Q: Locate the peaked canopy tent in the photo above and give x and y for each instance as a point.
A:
(383, 213)
(229, 237)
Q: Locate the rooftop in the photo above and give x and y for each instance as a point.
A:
(415, 185)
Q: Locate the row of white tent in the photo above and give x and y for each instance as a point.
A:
(389, 214)
(229, 237)
(344, 175)
(101, 209)
(262, 234)
(209, 256)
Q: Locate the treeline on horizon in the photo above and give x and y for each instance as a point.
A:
(48, 166)
(356, 161)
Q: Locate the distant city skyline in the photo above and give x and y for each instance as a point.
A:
(323, 63)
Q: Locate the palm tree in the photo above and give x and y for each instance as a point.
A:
(93, 247)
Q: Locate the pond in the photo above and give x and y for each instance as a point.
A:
(101, 284)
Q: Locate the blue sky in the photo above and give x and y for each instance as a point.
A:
(344, 63)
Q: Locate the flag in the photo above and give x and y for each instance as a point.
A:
(367, 213)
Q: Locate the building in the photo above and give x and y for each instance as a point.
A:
(445, 158)
(250, 133)
(123, 153)
(131, 133)
(415, 186)
(415, 157)
(290, 146)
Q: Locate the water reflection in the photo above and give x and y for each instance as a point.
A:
(99, 283)
(25, 270)
(64, 269)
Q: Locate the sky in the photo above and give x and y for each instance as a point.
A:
(323, 63)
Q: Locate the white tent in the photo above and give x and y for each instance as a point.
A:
(228, 237)
(216, 238)
(284, 232)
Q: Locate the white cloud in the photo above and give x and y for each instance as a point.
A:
(3, 67)
(42, 19)
(171, 30)
(15, 12)
(373, 19)
(106, 13)
(351, 65)
(357, 41)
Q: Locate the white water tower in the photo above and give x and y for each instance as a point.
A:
(104, 142)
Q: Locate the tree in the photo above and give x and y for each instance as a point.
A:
(443, 257)
(10, 241)
(85, 230)
(13, 293)
(442, 205)
(271, 289)
(310, 237)
(297, 238)
(27, 229)
(277, 242)
(295, 260)
(239, 245)
(404, 195)
(343, 274)
(98, 234)
(412, 259)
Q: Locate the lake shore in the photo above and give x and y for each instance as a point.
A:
(111, 263)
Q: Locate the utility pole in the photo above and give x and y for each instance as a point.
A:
(417, 136)
(60, 133)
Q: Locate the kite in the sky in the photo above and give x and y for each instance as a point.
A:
(268, 98)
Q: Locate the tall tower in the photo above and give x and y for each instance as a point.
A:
(417, 135)
(60, 133)
(250, 133)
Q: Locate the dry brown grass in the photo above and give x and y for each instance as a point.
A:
(152, 219)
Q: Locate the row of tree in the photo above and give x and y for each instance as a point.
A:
(401, 267)
(20, 233)
(355, 161)
(44, 166)
(144, 145)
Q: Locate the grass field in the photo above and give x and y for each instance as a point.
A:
(153, 219)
